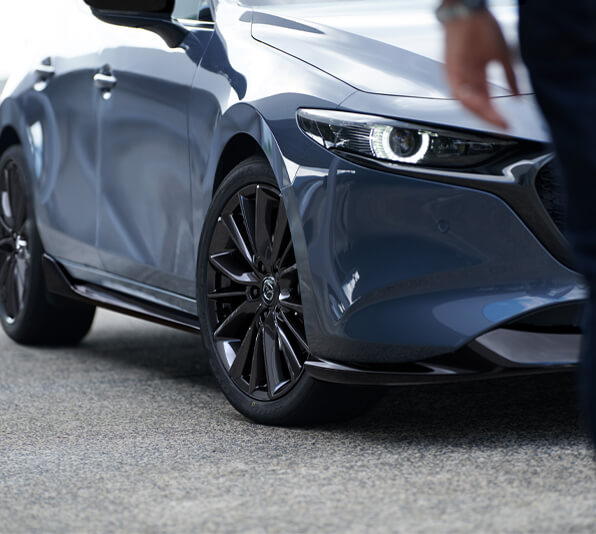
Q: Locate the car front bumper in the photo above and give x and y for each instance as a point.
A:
(399, 269)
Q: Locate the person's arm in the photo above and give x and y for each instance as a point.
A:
(474, 39)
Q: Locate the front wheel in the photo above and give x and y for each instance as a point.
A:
(250, 307)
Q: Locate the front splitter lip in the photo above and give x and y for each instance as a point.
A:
(499, 353)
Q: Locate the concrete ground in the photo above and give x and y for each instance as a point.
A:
(129, 433)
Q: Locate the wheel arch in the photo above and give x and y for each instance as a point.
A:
(238, 149)
(242, 132)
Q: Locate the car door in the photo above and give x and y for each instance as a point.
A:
(144, 212)
(62, 110)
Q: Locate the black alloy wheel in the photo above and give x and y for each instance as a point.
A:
(250, 307)
(28, 313)
(254, 294)
(15, 256)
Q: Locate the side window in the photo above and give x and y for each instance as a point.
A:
(186, 9)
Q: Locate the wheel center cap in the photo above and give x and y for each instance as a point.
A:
(269, 289)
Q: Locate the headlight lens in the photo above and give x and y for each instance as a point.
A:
(399, 144)
(409, 144)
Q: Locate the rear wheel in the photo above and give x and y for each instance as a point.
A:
(250, 307)
(28, 314)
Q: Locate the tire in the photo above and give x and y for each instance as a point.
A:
(28, 313)
(250, 309)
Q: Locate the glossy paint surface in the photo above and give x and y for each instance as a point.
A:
(388, 254)
(144, 220)
(377, 46)
(392, 268)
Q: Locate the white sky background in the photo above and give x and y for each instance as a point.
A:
(27, 27)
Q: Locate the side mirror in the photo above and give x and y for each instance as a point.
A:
(152, 15)
(133, 6)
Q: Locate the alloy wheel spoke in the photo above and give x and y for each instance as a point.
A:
(279, 234)
(286, 253)
(288, 270)
(27, 257)
(272, 356)
(292, 359)
(229, 266)
(10, 291)
(226, 295)
(248, 209)
(9, 192)
(239, 315)
(299, 337)
(290, 305)
(257, 367)
(229, 222)
(6, 245)
(263, 221)
(21, 268)
(243, 351)
(4, 270)
(19, 274)
(23, 229)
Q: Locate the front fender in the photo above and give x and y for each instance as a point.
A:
(240, 119)
(243, 119)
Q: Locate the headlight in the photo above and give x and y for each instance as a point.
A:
(408, 144)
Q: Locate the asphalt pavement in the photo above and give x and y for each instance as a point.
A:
(129, 433)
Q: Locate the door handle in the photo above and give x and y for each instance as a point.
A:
(45, 70)
(105, 80)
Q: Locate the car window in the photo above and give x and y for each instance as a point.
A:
(187, 9)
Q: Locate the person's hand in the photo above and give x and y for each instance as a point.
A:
(471, 44)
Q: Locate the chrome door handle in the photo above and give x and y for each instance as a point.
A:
(45, 70)
(105, 81)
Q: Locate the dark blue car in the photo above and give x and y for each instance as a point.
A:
(293, 181)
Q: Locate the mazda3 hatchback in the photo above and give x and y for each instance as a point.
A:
(293, 182)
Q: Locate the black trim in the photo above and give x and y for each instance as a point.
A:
(499, 353)
(418, 373)
(59, 282)
(133, 6)
(171, 31)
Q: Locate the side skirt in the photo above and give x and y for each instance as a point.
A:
(59, 282)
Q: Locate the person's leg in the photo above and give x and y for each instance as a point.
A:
(558, 44)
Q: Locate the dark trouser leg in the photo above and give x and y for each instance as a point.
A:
(558, 44)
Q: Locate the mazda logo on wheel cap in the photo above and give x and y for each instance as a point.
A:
(268, 289)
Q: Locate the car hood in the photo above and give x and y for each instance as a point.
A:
(377, 46)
